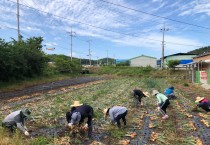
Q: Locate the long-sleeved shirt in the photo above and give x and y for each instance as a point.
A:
(205, 105)
(115, 111)
(15, 118)
(139, 93)
(85, 111)
(161, 98)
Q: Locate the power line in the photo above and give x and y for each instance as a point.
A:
(83, 22)
(135, 17)
(116, 20)
(98, 26)
(154, 15)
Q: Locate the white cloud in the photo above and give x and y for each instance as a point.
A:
(172, 42)
(157, 0)
(51, 44)
(199, 7)
(92, 19)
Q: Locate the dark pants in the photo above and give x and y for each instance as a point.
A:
(171, 96)
(117, 119)
(206, 108)
(164, 106)
(11, 126)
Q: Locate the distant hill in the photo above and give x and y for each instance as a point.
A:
(103, 61)
(200, 51)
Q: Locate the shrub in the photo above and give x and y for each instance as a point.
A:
(173, 63)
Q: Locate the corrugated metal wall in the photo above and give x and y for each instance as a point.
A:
(143, 61)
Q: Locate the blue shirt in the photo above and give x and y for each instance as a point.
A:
(169, 91)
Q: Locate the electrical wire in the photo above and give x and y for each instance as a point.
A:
(154, 15)
(101, 27)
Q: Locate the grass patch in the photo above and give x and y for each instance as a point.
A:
(41, 141)
(7, 138)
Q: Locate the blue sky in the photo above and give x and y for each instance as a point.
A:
(119, 29)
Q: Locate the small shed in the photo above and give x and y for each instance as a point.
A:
(143, 61)
(203, 68)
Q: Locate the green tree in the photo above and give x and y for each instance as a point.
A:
(21, 59)
(173, 63)
(64, 64)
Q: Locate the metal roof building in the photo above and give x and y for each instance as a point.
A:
(143, 61)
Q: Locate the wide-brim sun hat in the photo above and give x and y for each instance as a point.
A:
(198, 99)
(26, 113)
(76, 104)
(154, 92)
(146, 94)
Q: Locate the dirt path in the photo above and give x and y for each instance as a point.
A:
(49, 86)
(29, 93)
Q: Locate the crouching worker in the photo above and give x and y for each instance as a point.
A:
(116, 113)
(203, 103)
(17, 120)
(77, 115)
(169, 92)
(138, 95)
(163, 103)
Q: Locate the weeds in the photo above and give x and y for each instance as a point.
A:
(40, 141)
(186, 84)
(7, 138)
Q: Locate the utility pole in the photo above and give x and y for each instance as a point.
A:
(97, 60)
(107, 61)
(18, 21)
(71, 35)
(114, 60)
(163, 45)
(89, 52)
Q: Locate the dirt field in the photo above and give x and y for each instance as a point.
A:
(145, 125)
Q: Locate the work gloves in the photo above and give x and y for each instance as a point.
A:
(86, 125)
(70, 125)
(26, 133)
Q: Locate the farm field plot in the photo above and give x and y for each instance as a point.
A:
(144, 124)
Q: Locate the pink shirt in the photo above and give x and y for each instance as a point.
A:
(204, 100)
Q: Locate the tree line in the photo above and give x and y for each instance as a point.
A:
(26, 59)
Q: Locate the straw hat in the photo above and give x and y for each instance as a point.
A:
(146, 94)
(105, 112)
(154, 92)
(26, 113)
(198, 99)
(76, 104)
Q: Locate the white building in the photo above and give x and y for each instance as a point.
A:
(143, 61)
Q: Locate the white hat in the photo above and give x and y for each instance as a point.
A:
(154, 92)
(198, 99)
(76, 104)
